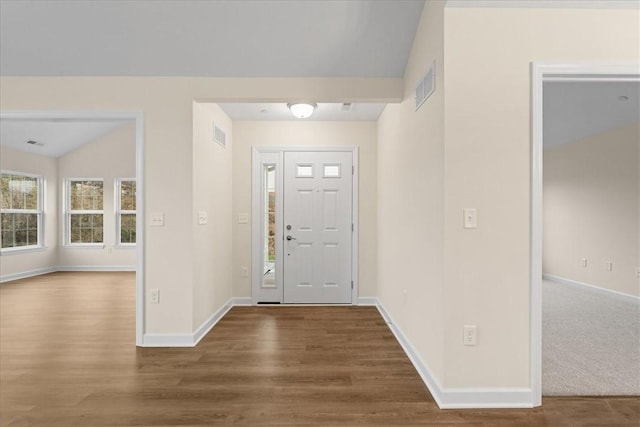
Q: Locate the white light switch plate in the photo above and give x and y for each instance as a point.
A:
(203, 218)
(243, 218)
(470, 218)
(157, 219)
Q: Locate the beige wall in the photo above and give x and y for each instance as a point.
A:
(487, 165)
(109, 157)
(212, 189)
(305, 134)
(410, 200)
(167, 106)
(19, 161)
(591, 210)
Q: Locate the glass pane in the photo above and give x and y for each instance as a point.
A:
(86, 195)
(85, 228)
(269, 239)
(304, 171)
(128, 195)
(31, 193)
(331, 171)
(19, 230)
(128, 228)
(5, 195)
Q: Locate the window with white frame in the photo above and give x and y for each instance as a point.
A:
(126, 211)
(85, 215)
(21, 201)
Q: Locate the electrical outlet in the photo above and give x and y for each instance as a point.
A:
(609, 266)
(637, 272)
(203, 218)
(470, 335)
(155, 296)
(584, 262)
(244, 272)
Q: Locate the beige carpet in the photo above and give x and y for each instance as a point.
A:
(590, 342)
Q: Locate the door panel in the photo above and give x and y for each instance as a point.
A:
(318, 220)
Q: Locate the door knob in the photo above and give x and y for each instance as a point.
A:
(291, 238)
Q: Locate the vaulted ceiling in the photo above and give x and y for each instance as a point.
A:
(302, 38)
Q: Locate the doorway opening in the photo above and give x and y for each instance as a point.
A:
(543, 75)
(85, 210)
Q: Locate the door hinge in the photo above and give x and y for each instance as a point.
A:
(352, 284)
(353, 170)
(352, 228)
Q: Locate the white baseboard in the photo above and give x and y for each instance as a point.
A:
(25, 274)
(368, 301)
(167, 340)
(96, 268)
(204, 329)
(187, 340)
(241, 301)
(566, 281)
(458, 398)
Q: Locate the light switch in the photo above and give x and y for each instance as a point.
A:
(157, 219)
(203, 218)
(470, 218)
(243, 218)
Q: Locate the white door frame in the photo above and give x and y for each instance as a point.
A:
(138, 117)
(256, 212)
(542, 72)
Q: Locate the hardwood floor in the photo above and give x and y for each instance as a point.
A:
(67, 358)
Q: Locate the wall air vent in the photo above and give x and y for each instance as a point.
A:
(426, 86)
(219, 136)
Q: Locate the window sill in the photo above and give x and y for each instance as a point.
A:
(22, 250)
(124, 246)
(83, 246)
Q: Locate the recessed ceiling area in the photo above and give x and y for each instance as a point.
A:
(280, 112)
(305, 38)
(54, 137)
(577, 110)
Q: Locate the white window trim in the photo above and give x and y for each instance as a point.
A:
(40, 212)
(67, 215)
(120, 212)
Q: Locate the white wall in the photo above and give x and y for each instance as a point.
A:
(591, 210)
(109, 157)
(167, 106)
(411, 200)
(212, 190)
(23, 263)
(487, 164)
(305, 134)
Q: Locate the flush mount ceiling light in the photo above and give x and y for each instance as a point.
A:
(302, 110)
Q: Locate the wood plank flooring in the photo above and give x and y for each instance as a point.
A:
(67, 358)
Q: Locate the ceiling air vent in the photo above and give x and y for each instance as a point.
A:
(346, 106)
(219, 136)
(426, 86)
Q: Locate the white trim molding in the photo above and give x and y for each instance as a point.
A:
(542, 72)
(546, 4)
(25, 274)
(458, 398)
(565, 281)
(189, 340)
(96, 268)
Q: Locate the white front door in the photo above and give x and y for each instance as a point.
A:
(317, 227)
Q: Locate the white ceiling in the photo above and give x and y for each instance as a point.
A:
(303, 38)
(280, 112)
(57, 136)
(576, 110)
